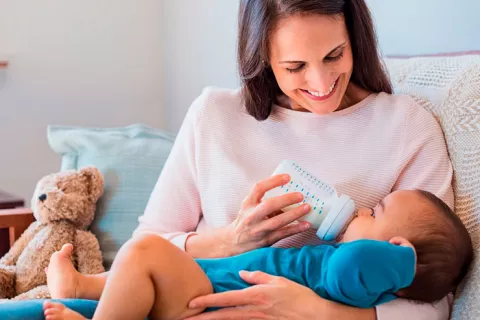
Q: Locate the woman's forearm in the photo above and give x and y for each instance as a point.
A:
(333, 310)
(208, 245)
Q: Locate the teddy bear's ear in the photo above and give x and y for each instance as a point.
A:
(95, 179)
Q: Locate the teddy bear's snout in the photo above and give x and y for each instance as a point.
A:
(42, 197)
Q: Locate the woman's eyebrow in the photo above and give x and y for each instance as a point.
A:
(336, 48)
(332, 51)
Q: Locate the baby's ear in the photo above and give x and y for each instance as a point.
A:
(95, 181)
(401, 241)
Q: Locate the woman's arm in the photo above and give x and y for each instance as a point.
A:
(333, 310)
(425, 164)
(402, 309)
(174, 209)
(273, 297)
(424, 160)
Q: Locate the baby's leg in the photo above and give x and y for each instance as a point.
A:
(150, 277)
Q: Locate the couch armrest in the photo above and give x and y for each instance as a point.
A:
(16, 220)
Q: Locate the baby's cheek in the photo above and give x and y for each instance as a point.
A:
(385, 233)
(355, 231)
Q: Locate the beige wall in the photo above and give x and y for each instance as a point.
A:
(89, 63)
(116, 62)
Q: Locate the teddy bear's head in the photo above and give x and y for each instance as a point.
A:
(68, 196)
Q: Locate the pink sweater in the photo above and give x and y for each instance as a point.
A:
(384, 143)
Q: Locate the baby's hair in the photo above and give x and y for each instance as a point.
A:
(444, 252)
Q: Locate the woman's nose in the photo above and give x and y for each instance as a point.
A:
(319, 80)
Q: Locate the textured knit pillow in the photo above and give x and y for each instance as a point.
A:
(130, 158)
(449, 87)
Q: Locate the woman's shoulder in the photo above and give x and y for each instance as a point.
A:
(413, 117)
(405, 108)
(216, 104)
(219, 98)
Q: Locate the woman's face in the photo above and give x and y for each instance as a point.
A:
(311, 58)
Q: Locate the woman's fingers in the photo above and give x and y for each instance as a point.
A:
(233, 313)
(285, 232)
(260, 188)
(257, 219)
(283, 219)
(275, 204)
(225, 299)
(274, 214)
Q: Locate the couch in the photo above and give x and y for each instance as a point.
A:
(131, 158)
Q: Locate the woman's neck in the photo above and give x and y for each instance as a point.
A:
(353, 95)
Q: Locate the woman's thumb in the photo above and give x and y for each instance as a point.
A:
(256, 277)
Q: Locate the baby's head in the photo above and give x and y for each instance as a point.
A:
(442, 244)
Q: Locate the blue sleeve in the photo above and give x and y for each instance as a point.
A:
(366, 273)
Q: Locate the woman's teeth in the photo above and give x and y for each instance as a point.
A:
(319, 94)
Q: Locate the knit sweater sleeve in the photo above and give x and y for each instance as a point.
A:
(174, 209)
(424, 162)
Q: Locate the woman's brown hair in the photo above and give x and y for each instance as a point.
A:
(256, 20)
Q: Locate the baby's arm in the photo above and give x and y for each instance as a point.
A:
(366, 273)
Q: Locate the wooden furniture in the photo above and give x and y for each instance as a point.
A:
(13, 220)
(8, 201)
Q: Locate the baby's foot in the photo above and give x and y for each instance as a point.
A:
(62, 278)
(57, 311)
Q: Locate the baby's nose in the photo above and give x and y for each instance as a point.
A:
(364, 212)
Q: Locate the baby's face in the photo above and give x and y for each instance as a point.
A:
(392, 217)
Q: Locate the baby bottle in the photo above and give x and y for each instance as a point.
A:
(329, 214)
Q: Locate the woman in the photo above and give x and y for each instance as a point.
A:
(313, 91)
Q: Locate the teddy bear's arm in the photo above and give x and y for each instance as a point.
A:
(10, 258)
(87, 250)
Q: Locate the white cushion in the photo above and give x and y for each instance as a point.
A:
(449, 87)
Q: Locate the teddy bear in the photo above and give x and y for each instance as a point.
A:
(64, 205)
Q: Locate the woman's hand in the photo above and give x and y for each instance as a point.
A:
(273, 297)
(270, 298)
(258, 223)
(261, 223)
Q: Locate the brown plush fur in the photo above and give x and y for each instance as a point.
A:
(64, 205)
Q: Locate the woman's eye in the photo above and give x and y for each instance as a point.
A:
(297, 69)
(334, 58)
(373, 212)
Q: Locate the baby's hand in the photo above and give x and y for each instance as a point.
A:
(401, 241)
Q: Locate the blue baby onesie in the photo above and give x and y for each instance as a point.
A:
(363, 273)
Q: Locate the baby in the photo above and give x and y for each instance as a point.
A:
(411, 245)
